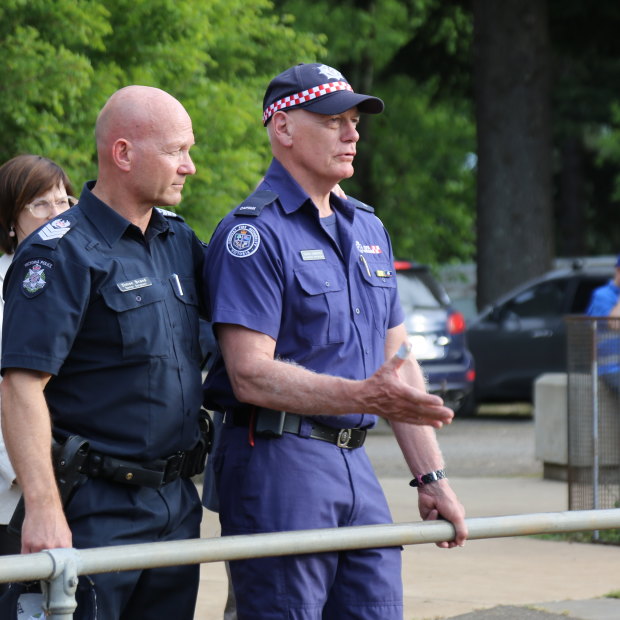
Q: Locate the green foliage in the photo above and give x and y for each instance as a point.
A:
(63, 59)
(412, 163)
(609, 537)
(423, 176)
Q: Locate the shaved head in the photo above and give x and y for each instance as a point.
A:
(143, 139)
(133, 113)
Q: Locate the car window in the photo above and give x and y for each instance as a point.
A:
(544, 299)
(583, 293)
(414, 292)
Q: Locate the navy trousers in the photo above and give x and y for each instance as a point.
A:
(294, 483)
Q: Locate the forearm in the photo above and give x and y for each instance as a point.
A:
(259, 379)
(285, 386)
(27, 433)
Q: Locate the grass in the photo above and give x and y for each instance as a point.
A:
(609, 537)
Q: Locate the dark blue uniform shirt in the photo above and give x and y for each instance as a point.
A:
(112, 314)
(275, 270)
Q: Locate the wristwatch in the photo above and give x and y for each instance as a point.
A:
(421, 479)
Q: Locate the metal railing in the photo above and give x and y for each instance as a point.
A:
(58, 569)
(593, 397)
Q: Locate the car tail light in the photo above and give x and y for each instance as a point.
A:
(456, 323)
(470, 375)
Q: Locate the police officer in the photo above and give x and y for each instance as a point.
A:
(101, 341)
(305, 307)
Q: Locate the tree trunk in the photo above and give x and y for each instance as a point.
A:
(511, 85)
(571, 203)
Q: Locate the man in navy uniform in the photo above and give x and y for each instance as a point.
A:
(304, 302)
(101, 341)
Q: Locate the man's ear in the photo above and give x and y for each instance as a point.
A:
(282, 128)
(121, 154)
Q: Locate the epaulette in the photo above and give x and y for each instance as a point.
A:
(54, 231)
(255, 203)
(171, 214)
(360, 205)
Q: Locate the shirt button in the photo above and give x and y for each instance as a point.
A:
(138, 298)
(357, 310)
(326, 283)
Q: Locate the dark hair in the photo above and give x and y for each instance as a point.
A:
(22, 179)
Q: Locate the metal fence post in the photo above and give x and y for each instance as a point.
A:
(59, 590)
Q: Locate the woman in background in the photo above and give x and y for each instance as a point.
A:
(33, 190)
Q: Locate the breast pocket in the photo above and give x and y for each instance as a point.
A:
(323, 304)
(187, 308)
(379, 290)
(141, 319)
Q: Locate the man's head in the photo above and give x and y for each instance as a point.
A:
(311, 114)
(315, 88)
(143, 140)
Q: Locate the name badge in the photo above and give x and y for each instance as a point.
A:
(312, 255)
(132, 285)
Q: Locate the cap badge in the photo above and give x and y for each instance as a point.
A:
(330, 73)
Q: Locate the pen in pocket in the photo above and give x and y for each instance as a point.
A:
(177, 282)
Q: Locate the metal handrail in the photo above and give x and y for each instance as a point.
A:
(65, 565)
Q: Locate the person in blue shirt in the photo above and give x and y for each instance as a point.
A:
(303, 299)
(101, 341)
(605, 301)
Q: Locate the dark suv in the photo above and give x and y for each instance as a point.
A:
(523, 334)
(436, 332)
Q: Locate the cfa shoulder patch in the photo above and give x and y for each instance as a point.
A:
(36, 274)
(358, 204)
(171, 214)
(243, 240)
(253, 205)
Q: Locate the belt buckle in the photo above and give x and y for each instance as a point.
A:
(344, 437)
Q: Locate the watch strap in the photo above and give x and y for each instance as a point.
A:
(421, 479)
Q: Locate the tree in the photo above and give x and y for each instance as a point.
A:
(511, 76)
(413, 160)
(61, 60)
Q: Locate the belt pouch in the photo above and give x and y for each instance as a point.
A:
(269, 423)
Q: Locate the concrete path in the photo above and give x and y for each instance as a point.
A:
(517, 578)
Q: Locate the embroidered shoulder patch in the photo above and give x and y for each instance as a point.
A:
(36, 275)
(56, 229)
(243, 240)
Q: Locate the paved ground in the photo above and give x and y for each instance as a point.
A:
(492, 468)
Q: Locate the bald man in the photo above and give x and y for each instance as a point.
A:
(101, 342)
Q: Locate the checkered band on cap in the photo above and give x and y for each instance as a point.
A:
(306, 95)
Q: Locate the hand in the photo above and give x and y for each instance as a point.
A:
(45, 529)
(438, 501)
(387, 395)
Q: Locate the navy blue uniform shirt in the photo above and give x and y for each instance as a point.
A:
(274, 269)
(112, 314)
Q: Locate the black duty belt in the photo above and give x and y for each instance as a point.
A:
(154, 474)
(270, 423)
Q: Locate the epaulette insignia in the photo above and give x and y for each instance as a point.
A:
(53, 232)
(171, 214)
(56, 229)
(360, 205)
(255, 203)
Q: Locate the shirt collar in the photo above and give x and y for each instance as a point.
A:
(291, 194)
(111, 224)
